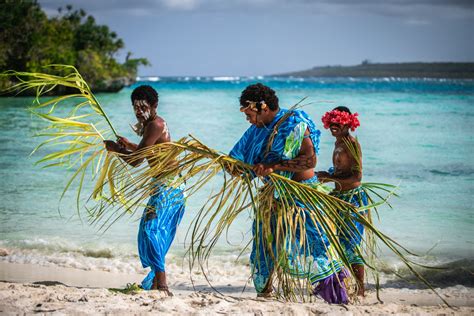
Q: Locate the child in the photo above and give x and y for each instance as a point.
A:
(347, 176)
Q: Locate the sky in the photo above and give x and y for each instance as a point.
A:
(263, 37)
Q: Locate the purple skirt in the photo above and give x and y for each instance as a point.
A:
(332, 289)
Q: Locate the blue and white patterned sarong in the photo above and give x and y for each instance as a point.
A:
(158, 226)
(310, 260)
(352, 239)
(251, 149)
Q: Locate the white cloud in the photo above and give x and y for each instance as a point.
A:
(181, 4)
(417, 22)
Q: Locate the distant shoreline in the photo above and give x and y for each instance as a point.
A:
(448, 70)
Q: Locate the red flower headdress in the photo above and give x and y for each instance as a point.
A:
(342, 118)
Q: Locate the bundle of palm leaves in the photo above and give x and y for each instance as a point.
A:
(277, 204)
(77, 123)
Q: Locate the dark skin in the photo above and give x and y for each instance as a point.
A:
(155, 132)
(302, 165)
(347, 175)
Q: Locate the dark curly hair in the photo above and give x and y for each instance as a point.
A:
(147, 93)
(343, 109)
(259, 92)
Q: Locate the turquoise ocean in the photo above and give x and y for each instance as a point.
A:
(415, 133)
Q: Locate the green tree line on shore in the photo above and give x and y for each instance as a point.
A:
(30, 40)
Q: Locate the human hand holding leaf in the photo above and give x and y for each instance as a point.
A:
(110, 145)
(263, 170)
(125, 143)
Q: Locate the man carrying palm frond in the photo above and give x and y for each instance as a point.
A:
(166, 205)
(285, 142)
(347, 176)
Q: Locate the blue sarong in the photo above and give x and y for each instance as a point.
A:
(310, 260)
(352, 239)
(286, 145)
(158, 225)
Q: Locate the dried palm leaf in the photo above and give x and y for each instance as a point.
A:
(120, 191)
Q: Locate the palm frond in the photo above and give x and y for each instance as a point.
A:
(76, 123)
(354, 150)
(189, 161)
(281, 207)
(44, 83)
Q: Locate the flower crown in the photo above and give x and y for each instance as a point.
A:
(342, 118)
(253, 105)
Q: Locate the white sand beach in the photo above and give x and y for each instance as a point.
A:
(29, 288)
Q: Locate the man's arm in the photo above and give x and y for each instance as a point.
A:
(152, 132)
(305, 160)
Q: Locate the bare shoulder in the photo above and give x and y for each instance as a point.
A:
(158, 130)
(354, 148)
(353, 141)
(157, 125)
(160, 120)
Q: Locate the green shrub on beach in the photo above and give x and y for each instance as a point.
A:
(130, 288)
(30, 40)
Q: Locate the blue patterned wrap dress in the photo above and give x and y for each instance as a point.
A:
(251, 149)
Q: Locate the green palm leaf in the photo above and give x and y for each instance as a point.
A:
(188, 160)
(76, 123)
